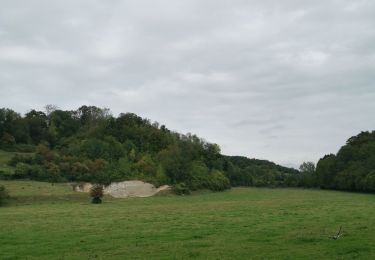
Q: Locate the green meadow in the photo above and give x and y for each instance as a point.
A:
(45, 221)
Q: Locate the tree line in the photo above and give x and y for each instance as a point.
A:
(90, 144)
(352, 168)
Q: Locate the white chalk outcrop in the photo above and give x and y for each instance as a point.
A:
(125, 189)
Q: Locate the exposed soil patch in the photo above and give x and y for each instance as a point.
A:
(125, 189)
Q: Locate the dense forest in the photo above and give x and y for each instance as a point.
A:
(90, 144)
(352, 168)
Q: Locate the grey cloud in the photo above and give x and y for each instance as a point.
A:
(281, 80)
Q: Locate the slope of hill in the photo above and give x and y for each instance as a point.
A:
(89, 144)
(243, 171)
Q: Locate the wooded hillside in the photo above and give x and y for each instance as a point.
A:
(90, 144)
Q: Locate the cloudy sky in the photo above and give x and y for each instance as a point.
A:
(287, 80)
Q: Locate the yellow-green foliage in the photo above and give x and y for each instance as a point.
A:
(44, 221)
(4, 159)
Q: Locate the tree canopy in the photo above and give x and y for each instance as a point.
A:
(90, 144)
(352, 168)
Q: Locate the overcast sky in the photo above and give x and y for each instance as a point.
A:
(287, 81)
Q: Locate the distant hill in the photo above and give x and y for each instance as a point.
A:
(243, 171)
(90, 144)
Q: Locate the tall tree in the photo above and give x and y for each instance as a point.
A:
(307, 167)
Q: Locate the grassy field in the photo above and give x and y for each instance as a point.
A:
(52, 222)
(4, 158)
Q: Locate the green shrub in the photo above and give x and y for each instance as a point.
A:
(181, 189)
(19, 158)
(161, 177)
(5, 175)
(94, 149)
(25, 171)
(96, 193)
(44, 154)
(218, 181)
(22, 171)
(198, 177)
(3, 195)
(53, 172)
(7, 139)
(22, 148)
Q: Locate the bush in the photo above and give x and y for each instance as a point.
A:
(199, 176)
(5, 175)
(181, 189)
(22, 148)
(19, 158)
(218, 181)
(44, 154)
(25, 171)
(96, 193)
(22, 171)
(3, 195)
(7, 139)
(53, 172)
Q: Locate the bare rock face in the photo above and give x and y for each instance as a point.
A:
(125, 189)
(82, 187)
(130, 189)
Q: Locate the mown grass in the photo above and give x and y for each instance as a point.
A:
(45, 221)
